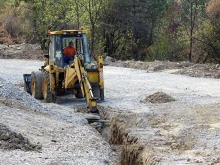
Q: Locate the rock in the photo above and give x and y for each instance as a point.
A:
(159, 67)
(217, 75)
(183, 64)
(138, 64)
(109, 59)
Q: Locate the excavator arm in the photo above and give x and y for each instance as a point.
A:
(85, 85)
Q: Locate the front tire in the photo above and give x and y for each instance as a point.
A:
(36, 85)
(47, 94)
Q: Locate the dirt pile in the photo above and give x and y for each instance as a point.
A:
(201, 70)
(13, 96)
(158, 97)
(21, 51)
(10, 140)
(182, 67)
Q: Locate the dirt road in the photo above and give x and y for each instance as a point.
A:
(185, 131)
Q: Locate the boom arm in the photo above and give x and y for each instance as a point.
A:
(85, 85)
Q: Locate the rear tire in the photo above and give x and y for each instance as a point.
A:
(36, 85)
(47, 94)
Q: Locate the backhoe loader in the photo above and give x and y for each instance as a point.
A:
(80, 76)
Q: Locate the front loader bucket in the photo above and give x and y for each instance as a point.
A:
(27, 83)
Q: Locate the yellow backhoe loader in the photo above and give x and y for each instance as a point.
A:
(80, 76)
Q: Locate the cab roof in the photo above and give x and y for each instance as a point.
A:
(66, 32)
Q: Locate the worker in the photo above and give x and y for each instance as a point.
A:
(69, 52)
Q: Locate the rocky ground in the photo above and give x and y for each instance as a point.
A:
(184, 68)
(22, 51)
(36, 133)
(160, 113)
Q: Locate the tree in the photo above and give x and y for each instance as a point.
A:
(93, 9)
(212, 36)
(192, 10)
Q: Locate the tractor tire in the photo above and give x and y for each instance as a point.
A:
(47, 94)
(36, 85)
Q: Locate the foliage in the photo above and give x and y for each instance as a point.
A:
(161, 49)
(131, 29)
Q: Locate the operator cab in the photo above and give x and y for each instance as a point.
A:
(60, 39)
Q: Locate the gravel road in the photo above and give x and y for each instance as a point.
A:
(65, 137)
(125, 88)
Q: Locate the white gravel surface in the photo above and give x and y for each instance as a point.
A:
(124, 89)
(62, 142)
(66, 138)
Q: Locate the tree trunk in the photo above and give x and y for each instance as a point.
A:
(191, 32)
(92, 38)
(77, 14)
(134, 45)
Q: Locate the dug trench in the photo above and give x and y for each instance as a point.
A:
(125, 135)
(163, 135)
(124, 132)
(139, 139)
(130, 134)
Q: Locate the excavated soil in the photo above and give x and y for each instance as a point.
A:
(10, 140)
(158, 97)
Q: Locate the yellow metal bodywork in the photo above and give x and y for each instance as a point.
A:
(70, 77)
(93, 77)
(66, 31)
(76, 73)
(85, 84)
(101, 76)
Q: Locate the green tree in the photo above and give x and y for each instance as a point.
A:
(133, 25)
(93, 10)
(193, 10)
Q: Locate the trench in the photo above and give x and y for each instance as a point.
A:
(128, 147)
(114, 129)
